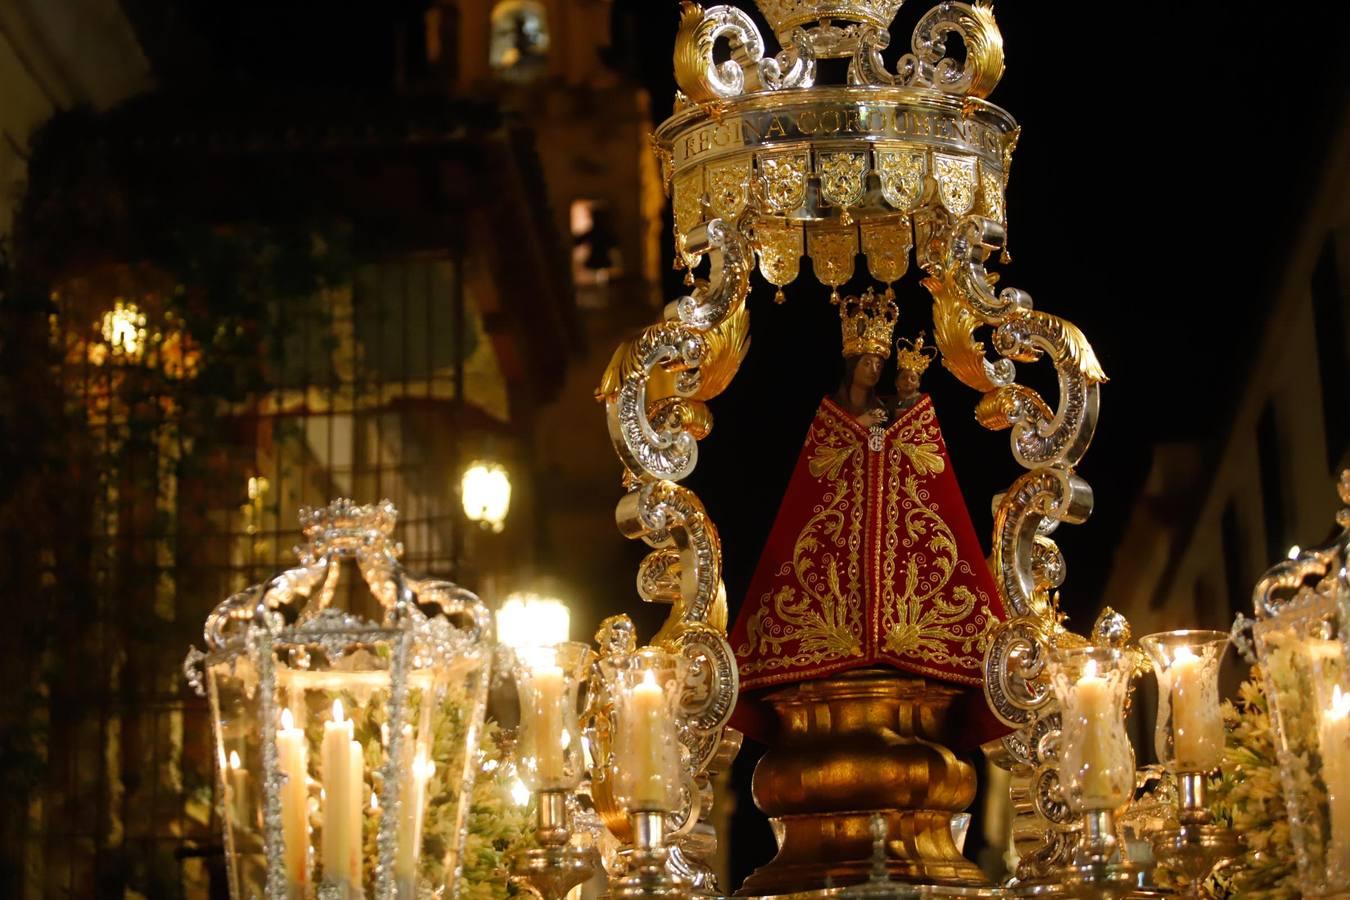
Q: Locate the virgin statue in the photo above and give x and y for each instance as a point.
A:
(871, 584)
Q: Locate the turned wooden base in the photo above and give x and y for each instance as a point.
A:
(848, 746)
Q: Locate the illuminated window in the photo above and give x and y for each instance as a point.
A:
(595, 250)
(519, 47)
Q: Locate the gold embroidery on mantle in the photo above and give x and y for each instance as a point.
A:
(816, 622)
(925, 622)
(825, 619)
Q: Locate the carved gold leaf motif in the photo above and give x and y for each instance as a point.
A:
(832, 254)
(729, 187)
(956, 182)
(902, 173)
(780, 249)
(783, 179)
(842, 176)
(887, 243)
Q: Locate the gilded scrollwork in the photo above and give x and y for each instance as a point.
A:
(1041, 436)
(954, 330)
(699, 76)
(928, 65)
(665, 515)
(724, 292)
(1014, 680)
(702, 79)
(1044, 493)
(886, 244)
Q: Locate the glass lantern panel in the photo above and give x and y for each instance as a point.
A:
(1302, 654)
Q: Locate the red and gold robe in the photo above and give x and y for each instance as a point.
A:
(872, 560)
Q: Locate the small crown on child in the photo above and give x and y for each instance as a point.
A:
(914, 355)
(868, 323)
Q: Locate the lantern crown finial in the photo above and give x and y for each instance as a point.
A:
(346, 525)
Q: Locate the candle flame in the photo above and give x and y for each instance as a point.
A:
(1182, 654)
(337, 710)
(520, 793)
(1340, 704)
(1090, 670)
(287, 720)
(649, 678)
(374, 800)
(234, 760)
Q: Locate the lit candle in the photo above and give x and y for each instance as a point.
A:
(1197, 725)
(357, 761)
(1097, 757)
(294, 803)
(549, 724)
(413, 797)
(342, 777)
(238, 787)
(1336, 773)
(647, 751)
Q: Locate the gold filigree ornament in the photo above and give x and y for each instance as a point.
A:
(782, 178)
(902, 174)
(956, 182)
(729, 188)
(991, 194)
(887, 243)
(842, 177)
(780, 247)
(833, 253)
(687, 206)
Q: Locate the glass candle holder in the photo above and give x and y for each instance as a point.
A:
(646, 765)
(549, 679)
(1096, 759)
(1189, 733)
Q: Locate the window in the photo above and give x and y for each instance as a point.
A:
(595, 251)
(519, 45)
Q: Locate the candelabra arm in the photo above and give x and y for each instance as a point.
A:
(1197, 846)
(554, 867)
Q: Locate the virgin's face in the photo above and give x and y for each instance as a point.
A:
(868, 371)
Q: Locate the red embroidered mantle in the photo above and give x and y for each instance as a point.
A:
(871, 560)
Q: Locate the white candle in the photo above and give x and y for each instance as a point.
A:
(341, 799)
(647, 753)
(1097, 757)
(413, 798)
(291, 753)
(549, 722)
(1197, 724)
(238, 793)
(357, 761)
(1336, 773)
